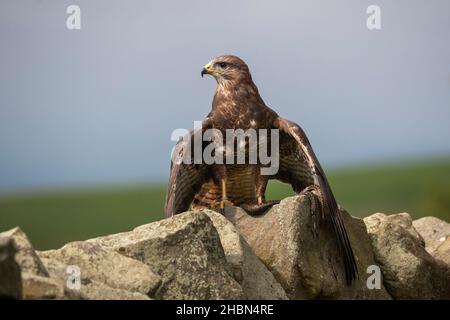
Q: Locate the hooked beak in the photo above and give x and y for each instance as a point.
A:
(208, 69)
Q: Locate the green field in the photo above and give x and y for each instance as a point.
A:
(53, 218)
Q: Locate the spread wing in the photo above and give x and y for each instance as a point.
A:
(186, 177)
(300, 168)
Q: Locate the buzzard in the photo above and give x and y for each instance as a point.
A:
(238, 105)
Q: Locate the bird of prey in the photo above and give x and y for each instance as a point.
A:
(237, 104)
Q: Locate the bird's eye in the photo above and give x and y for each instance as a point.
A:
(222, 64)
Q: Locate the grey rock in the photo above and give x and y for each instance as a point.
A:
(56, 269)
(26, 257)
(89, 289)
(185, 251)
(443, 252)
(288, 252)
(301, 252)
(10, 277)
(37, 287)
(108, 267)
(93, 290)
(433, 230)
(255, 279)
(409, 271)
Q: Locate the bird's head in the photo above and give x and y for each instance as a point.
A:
(227, 68)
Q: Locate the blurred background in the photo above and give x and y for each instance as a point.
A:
(86, 115)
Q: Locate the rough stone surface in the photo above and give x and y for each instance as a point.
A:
(301, 251)
(443, 252)
(409, 271)
(433, 230)
(37, 287)
(108, 267)
(89, 289)
(93, 290)
(185, 251)
(288, 252)
(256, 280)
(10, 277)
(56, 269)
(26, 257)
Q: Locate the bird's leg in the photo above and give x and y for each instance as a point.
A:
(260, 205)
(224, 200)
(220, 177)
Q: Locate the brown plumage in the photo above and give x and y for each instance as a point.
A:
(238, 105)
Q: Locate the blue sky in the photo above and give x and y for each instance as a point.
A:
(98, 105)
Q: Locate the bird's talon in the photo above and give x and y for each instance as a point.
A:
(225, 202)
(259, 208)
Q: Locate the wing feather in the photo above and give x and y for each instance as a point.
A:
(296, 141)
(185, 179)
